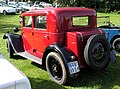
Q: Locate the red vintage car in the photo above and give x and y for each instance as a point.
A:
(64, 40)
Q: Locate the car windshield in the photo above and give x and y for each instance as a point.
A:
(12, 3)
(22, 3)
(5, 5)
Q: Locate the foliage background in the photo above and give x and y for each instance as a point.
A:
(99, 5)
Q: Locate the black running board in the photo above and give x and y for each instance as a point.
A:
(31, 57)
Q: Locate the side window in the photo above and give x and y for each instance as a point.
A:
(28, 21)
(40, 22)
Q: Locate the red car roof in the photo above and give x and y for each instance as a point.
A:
(60, 10)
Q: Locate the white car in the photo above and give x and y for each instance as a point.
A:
(24, 6)
(46, 5)
(11, 77)
(4, 8)
(35, 7)
(15, 5)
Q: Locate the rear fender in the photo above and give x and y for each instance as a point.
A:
(65, 53)
(16, 41)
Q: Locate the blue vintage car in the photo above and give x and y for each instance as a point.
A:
(112, 32)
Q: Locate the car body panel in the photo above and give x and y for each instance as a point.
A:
(15, 5)
(111, 33)
(11, 77)
(58, 24)
(58, 27)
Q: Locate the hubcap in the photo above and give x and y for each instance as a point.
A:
(98, 52)
(117, 46)
(4, 12)
(55, 68)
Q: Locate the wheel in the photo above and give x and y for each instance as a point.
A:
(56, 68)
(4, 12)
(9, 49)
(20, 12)
(96, 52)
(116, 45)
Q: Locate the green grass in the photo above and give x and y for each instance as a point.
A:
(114, 18)
(88, 79)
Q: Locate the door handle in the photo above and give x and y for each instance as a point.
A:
(46, 36)
(32, 33)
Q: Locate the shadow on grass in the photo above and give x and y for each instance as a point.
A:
(38, 65)
(106, 79)
(44, 84)
(18, 57)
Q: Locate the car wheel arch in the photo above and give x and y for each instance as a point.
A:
(115, 44)
(115, 37)
(52, 48)
(4, 12)
(62, 52)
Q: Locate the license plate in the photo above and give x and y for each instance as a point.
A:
(73, 67)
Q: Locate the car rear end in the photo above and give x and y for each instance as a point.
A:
(78, 41)
(89, 44)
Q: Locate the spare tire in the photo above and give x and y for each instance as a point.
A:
(97, 52)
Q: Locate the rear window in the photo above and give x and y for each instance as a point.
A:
(80, 21)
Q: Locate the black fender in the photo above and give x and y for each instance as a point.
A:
(65, 53)
(16, 41)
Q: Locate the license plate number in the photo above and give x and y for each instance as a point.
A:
(73, 67)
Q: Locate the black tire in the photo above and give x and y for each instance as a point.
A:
(4, 12)
(96, 52)
(9, 49)
(116, 45)
(20, 12)
(56, 68)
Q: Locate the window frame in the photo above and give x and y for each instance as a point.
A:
(42, 23)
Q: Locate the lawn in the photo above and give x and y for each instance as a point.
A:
(88, 79)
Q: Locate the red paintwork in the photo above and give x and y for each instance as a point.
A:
(59, 30)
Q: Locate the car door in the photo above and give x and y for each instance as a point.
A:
(41, 35)
(27, 33)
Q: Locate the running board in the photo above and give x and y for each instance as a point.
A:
(31, 57)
